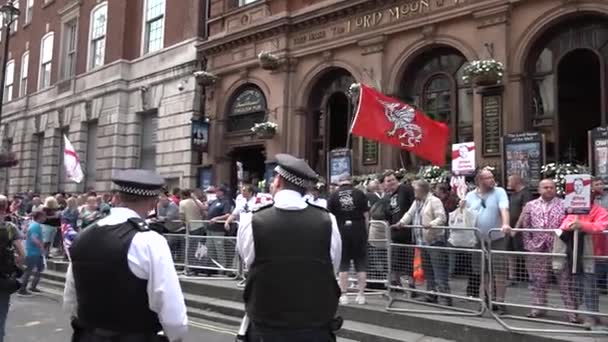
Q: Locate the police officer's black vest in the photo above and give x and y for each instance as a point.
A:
(291, 283)
(109, 295)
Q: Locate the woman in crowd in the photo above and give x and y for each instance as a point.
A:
(90, 212)
(51, 224)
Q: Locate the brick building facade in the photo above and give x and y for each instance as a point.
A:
(113, 76)
(555, 53)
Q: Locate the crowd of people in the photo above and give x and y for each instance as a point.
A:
(413, 213)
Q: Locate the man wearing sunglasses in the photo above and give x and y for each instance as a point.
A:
(491, 204)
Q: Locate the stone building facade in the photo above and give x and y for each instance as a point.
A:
(555, 54)
(115, 77)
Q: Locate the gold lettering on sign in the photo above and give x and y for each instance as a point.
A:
(371, 20)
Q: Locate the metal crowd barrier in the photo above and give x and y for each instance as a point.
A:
(445, 294)
(377, 269)
(551, 272)
(205, 252)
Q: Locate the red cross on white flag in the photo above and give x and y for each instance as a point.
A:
(71, 162)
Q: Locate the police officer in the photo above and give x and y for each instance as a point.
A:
(122, 283)
(349, 205)
(280, 243)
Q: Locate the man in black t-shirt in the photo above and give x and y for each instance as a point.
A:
(400, 198)
(349, 206)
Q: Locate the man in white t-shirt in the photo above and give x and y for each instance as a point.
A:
(248, 201)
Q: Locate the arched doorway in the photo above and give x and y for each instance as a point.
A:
(247, 106)
(329, 116)
(566, 85)
(579, 102)
(433, 82)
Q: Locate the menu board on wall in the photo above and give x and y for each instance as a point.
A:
(598, 152)
(524, 155)
(340, 164)
(370, 152)
(491, 114)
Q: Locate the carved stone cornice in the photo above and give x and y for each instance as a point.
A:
(373, 45)
(492, 16)
(318, 16)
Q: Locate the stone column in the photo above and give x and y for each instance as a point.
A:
(492, 38)
(372, 52)
(49, 182)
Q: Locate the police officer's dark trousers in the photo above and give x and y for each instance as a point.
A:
(101, 337)
(256, 334)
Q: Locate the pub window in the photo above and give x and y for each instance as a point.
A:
(247, 108)
(434, 84)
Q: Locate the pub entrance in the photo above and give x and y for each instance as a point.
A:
(251, 159)
(329, 116)
(579, 103)
(566, 85)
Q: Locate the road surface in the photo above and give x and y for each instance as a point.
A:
(41, 319)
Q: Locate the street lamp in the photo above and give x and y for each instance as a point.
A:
(9, 14)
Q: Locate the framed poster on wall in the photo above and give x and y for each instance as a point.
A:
(205, 177)
(523, 154)
(598, 152)
(340, 163)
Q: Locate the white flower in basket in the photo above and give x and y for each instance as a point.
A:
(483, 72)
(265, 129)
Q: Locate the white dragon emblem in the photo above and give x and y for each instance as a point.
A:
(402, 117)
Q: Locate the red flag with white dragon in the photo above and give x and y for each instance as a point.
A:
(390, 121)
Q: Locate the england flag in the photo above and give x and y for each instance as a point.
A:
(71, 162)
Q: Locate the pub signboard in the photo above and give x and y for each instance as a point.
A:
(200, 135)
(598, 152)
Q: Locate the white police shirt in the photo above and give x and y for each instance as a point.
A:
(319, 202)
(247, 206)
(149, 259)
(286, 200)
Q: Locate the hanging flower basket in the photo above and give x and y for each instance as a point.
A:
(264, 130)
(205, 78)
(8, 159)
(483, 72)
(558, 172)
(268, 61)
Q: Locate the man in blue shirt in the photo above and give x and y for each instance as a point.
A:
(218, 212)
(34, 251)
(491, 205)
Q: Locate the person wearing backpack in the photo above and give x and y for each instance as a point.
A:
(12, 254)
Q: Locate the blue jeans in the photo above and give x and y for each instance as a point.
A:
(5, 299)
(435, 264)
(32, 262)
(586, 284)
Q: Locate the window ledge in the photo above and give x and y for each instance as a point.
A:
(47, 3)
(26, 25)
(237, 9)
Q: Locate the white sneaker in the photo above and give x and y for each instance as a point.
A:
(343, 299)
(360, 299)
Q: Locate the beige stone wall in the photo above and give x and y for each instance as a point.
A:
(109, 97)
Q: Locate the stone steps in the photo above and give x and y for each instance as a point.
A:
(221, 301)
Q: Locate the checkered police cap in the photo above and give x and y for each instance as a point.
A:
(294, 170)
(138, 182)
